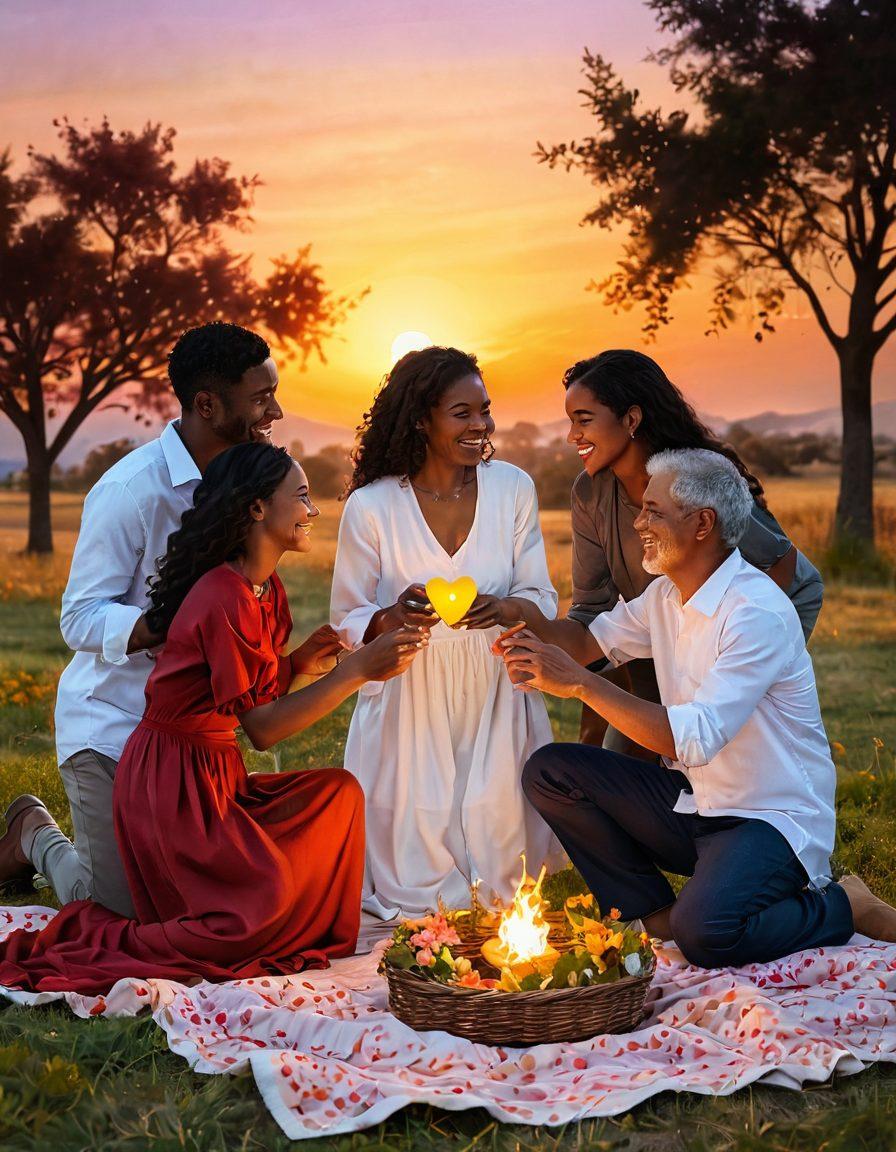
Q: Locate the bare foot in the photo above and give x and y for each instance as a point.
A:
(871, 915)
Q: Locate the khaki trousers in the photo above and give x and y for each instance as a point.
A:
(89, 869)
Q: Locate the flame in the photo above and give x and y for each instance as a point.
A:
(523, 930)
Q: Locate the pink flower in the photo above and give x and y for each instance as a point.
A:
(425, 958)
(441, 930)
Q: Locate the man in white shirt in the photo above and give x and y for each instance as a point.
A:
(743, 800)
(225, 381)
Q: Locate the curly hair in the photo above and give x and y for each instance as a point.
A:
(215, 529)
(211, 357)
(621, 378)
(388, 441)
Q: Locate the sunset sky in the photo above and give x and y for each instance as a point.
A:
(397, 139)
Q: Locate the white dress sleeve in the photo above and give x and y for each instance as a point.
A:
(531, 580)
(356, 574)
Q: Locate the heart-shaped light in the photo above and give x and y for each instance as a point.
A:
(451, 599)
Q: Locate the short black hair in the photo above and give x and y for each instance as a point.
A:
(211, 357)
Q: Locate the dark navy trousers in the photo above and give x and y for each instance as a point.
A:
(746, 901)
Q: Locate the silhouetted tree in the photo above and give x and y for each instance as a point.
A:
(107, 253)
(329, 470)
(782, 171)
(100, 459)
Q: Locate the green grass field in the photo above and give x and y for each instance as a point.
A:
(68, 1084)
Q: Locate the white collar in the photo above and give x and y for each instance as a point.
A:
(709, 595)
(181, 465)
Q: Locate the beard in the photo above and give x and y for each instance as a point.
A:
(233, 428)
(657, 565)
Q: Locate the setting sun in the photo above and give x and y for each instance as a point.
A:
(406, 342)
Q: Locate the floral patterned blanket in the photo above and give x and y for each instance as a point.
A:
(328, 1057)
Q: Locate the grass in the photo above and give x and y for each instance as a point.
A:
(69, 1084)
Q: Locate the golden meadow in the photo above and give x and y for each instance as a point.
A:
(854, 649)
(69, 1084)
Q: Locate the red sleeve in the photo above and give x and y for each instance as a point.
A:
(243, 665)
(281, 628)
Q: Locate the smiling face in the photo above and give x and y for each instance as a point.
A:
(596, 432)
(245, 411)
(458, 426)
(289, 513)
(668, 532)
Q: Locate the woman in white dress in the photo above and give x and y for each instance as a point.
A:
(439, 750)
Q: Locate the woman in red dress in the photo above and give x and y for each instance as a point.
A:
(231, 875)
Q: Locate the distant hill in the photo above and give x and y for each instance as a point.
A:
(823, 422)
(113, 425)
(315, 434)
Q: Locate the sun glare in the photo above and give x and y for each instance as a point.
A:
(406, 342)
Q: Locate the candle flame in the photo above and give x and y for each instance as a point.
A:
(523, 930)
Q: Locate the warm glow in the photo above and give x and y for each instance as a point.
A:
(523, 930)
(406, 342)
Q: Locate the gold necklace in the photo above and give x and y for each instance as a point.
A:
(437, 496)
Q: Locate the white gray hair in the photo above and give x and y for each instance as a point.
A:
(705, 479)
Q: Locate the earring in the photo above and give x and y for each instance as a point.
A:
(633, 433)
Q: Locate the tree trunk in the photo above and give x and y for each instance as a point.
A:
(855, 503)
(40, 529)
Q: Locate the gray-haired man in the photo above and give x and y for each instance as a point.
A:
(743, 802)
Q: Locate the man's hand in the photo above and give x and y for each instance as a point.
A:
(532, 664)
(318, 653)
(141, 637)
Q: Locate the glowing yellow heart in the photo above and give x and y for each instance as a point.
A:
(451, 600)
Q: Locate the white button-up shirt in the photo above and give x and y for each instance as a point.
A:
(127, 519)
(739, 690)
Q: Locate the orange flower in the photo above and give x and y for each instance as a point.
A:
(615, 914)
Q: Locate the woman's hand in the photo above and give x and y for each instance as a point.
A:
(406, 613)
(317, 654)
(487, 611)
(530, 663)
(389, 654)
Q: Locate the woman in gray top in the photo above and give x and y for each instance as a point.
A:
(622, 408)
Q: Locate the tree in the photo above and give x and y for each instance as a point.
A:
(519, 445)
(328, 470)
(107, 253)
(782, 172)
(100, 459)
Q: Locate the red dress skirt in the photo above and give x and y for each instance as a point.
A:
(231, 875)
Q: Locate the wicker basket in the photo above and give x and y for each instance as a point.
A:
(517, 1018)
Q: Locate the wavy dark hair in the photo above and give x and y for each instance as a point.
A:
(388, 441)
(621, 379)
(215, 529)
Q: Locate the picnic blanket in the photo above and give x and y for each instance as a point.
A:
(328, 1056)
